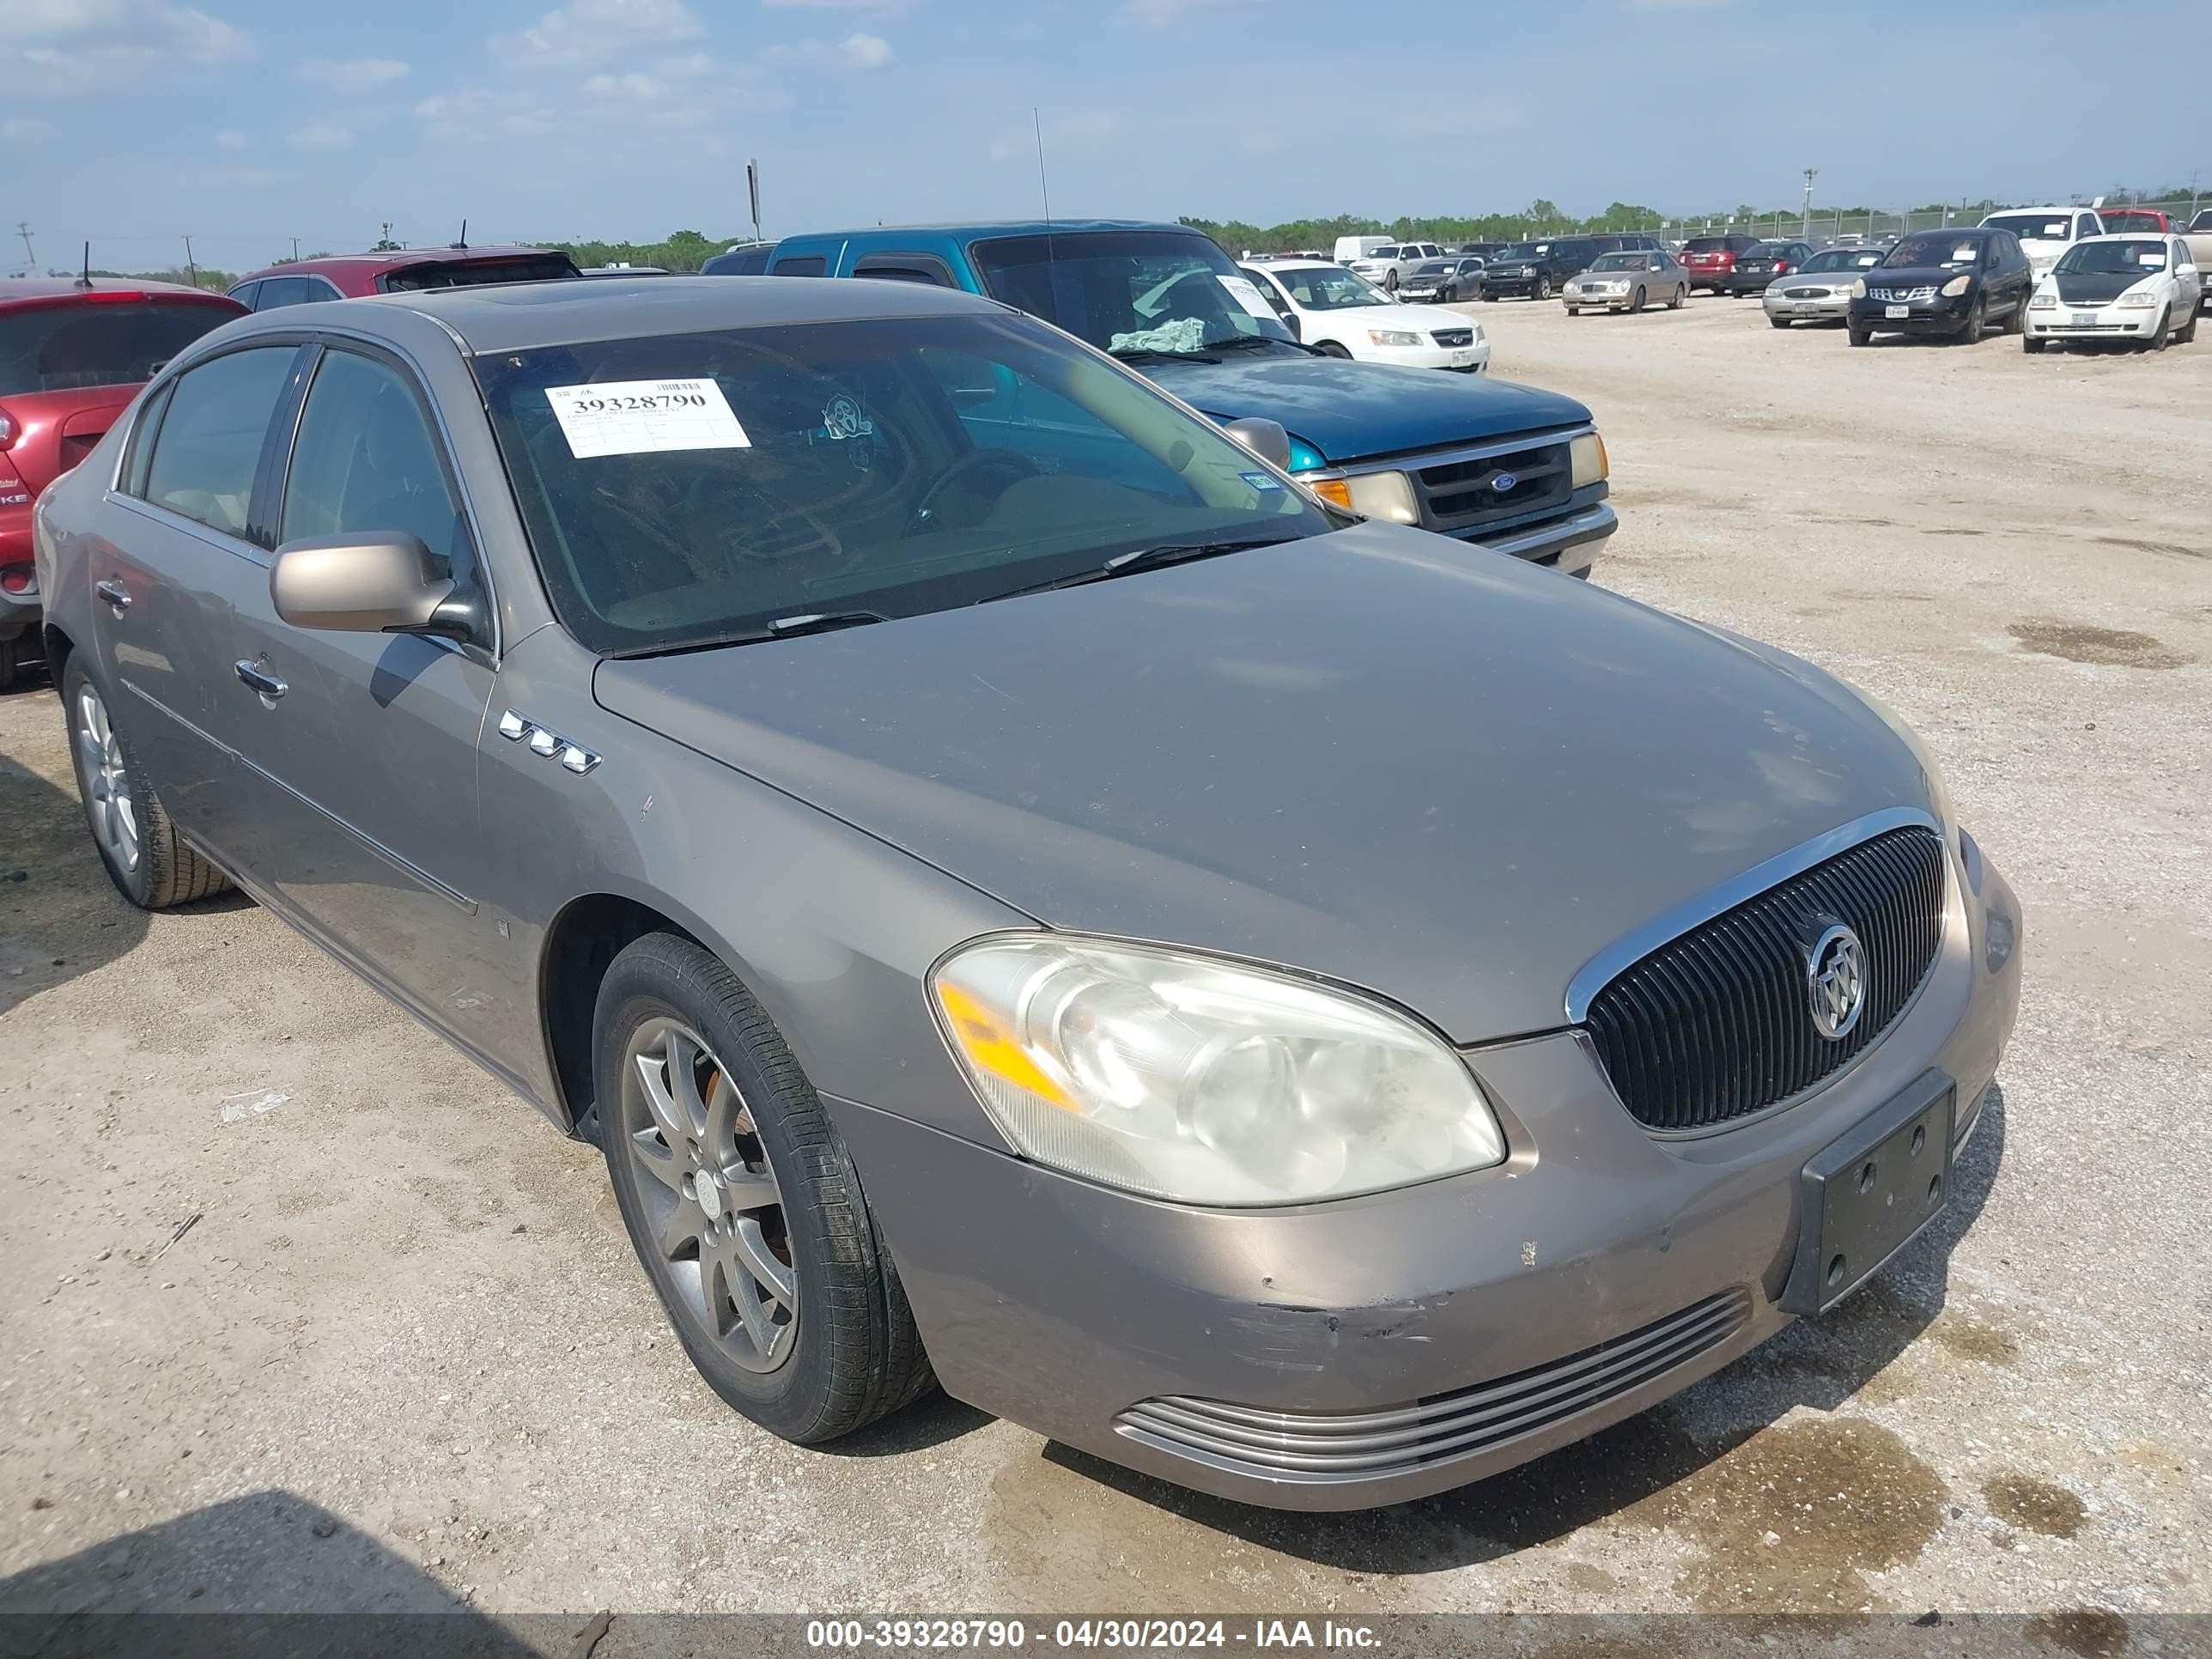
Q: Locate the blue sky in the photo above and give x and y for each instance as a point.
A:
(249, 122)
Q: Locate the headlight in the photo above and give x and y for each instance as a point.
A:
(1384, 495)
(1616, 287)
(1955, 286)
(2138, 301)
(1587, 460)
(2044, 302)
(1574, 288)
(1858, 287)
(1201, 1081)
(1391, 336)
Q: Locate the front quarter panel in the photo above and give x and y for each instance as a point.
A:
(832, 930)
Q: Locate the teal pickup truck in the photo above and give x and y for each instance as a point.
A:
(1510, 468)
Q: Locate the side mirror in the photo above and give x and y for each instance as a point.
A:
(1289, 320)
(1264, 439)
(378, 582)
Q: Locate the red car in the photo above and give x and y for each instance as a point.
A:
(357, 276)
(72, 357)
(2137, 221)
(1711, 260)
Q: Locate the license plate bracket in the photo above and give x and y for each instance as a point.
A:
(2085, 320)
(1896, 310)
(1870, 1192)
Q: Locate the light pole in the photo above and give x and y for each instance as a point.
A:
(1805, 229)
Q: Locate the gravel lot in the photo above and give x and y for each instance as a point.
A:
(403, 1356)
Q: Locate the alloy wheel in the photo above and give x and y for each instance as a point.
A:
(713, 1209)
(113, 810)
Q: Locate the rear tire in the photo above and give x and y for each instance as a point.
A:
(2016, 321)
(1682, 297)
(11, 661)
(697, 1091)
(145, 857)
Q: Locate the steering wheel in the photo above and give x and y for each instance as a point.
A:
(1006, 463)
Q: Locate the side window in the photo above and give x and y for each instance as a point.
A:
(1000, 408)
(1267, 290)
(283, 291)
(2084, 226)
(209, 443)
(244, 294)
(322, 288)
(142, 440)
(365, 460)
(802, 265)
(903, 267)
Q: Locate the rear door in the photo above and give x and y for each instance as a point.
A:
(363, 759)
(179, 557)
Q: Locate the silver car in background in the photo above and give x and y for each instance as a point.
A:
(1052, 907)
(1628, 281)
(1819, 291)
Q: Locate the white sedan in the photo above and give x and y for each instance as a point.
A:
(1345, 315)
(2142, 289)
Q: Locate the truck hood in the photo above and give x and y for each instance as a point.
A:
(1357, 411)
(1380, 756)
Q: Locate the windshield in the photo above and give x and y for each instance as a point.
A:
(1523, 251)
(473, 273)
(1433, 268)
(683, 487)
(1843, 258)
(1767, 251)
(1129, 290)
(2126, 219)
(2034, 227)
(1622, 262)
(2130, 258)
(1329, 287)
(1945, 248)
(59, 348)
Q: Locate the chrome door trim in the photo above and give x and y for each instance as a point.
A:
(1634, 945)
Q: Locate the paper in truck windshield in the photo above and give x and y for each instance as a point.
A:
(638, 418)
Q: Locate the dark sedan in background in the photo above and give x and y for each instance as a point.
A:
(1758, 266)
(1445, 282)
(1948, 284)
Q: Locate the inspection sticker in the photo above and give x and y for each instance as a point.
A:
(1260, 481)
(638, 418)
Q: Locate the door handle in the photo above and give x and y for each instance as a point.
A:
(115, 594)
(258, 678)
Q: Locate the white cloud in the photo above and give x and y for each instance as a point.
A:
(587, 30)
(319, 136)
(837, 5)
(1158, 14)
(355, 76)
(477, 115)
(1676, 5)
(866, 50)
(230, 138)
(23, 129)
(683, 65)
(79, 47)
(633, 85)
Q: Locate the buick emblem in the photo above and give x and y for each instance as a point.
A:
(1502, 481)
(1835, 982)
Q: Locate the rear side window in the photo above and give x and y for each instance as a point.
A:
(802, 265)
(278, 291)
(907, 268)
(365, 461)
(102, 343)
(475, 273)
(210, 442)
(244, 294)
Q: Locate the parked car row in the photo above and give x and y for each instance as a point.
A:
(1030, 889)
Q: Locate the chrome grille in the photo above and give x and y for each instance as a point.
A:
(1805, 293)
(1899, 295)
(1342, 1446)
(1459, 496)
(1717, 1023)
(1453, 336)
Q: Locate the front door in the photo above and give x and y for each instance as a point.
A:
(362, 756)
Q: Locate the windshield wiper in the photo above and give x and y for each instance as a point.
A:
(1146, 353)
(783, 627)
(1142, 558)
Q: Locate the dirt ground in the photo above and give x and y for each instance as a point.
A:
(403, 1355)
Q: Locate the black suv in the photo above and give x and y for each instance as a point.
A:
(1947, 283)
(1537, 270)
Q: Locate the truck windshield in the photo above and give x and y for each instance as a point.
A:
(683, 490)
(1129, 291)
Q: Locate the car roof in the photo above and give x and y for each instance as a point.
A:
(2134, 236)
(48, 288)
(525, 316)
(400, 258)
(985, 228)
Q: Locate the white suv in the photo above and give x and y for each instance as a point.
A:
(2046, 233)
(1394, 262)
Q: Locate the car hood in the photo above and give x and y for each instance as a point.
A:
(2095, 288)
(1379, 756)
(1353, 411)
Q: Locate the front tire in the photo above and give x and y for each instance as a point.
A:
(2188, 335)
(743, 1203)
(1782, 323)
(1970, 332)
(1390, 280)
(146, 859)
(1860, 334)
(11, 660)
(2156, 339)
(1543, 288)
(1635, 302)
(2032, 346)
(1330, 348)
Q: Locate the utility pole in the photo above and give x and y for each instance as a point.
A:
(1805, 230)
(189, 265)
(30, 253)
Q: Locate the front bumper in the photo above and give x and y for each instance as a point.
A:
(2103, 323)
(1586, 302)
(1466, 359)
(1832, 308)
(1935, 316)
(1596, 1271)
(1514, 287)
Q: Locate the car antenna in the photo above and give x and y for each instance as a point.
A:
(464, 242)
(1037, 125)
(85, 281)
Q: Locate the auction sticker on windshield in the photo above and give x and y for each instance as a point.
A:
(639, 418)
(1241, 290)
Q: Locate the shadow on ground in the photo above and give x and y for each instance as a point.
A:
(1819, 1363)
